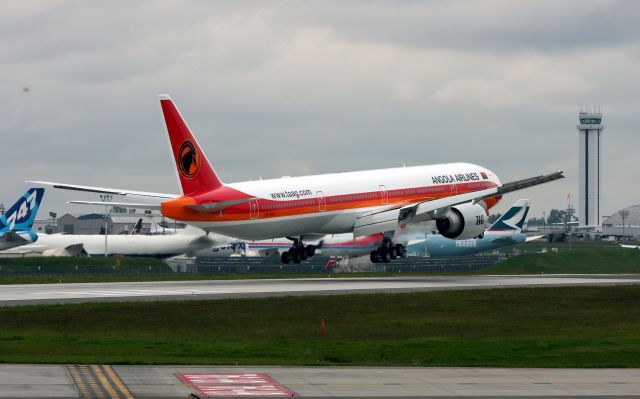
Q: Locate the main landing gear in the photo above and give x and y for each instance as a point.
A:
(387, 251)
(298, 252)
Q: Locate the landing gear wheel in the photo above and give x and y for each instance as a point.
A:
(303, 253)
(400, 250)
(386, 255)
(310, 250)
(285, 257)
(374, 257)
(297, 257)
(392, 252)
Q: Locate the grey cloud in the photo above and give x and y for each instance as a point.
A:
(289, 88)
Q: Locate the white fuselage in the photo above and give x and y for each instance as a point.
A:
(163, 246)
(334, 201)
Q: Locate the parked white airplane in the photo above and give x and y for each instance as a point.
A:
(457, 196)
(187, 241)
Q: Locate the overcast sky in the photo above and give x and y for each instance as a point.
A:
(292, 88)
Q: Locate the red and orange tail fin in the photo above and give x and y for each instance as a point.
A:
(194, 170)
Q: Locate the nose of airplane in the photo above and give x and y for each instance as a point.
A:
(493, 177)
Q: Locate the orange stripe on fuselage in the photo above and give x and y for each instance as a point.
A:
(267, 209)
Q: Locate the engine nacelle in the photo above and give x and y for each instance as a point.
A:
(463, 222)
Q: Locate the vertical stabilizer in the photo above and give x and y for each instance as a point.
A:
(194, 170)
(22, 214)
(513, 219)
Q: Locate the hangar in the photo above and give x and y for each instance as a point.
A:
(625, 222)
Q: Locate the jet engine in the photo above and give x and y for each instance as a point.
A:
(463, 222)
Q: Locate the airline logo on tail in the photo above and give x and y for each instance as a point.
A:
(189, 159)
(22, 214)
(195, 173)
(514, 218)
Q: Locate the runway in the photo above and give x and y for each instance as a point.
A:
(25, 294)
(60, 381)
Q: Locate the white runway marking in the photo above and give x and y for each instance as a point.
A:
(66, 293)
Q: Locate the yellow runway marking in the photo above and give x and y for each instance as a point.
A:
(116, 380)
(98, 382)
(105, 383)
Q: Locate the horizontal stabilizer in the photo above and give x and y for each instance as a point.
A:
(129, 205)
(12, 237)
(103, 190)
(505, 240)
(216, 206)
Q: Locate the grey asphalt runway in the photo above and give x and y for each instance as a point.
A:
(60, 381)
(216, 289)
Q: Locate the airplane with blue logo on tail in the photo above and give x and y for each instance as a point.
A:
(16, 223)
(507, 230)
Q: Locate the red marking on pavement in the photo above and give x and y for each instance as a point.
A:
(212, 385)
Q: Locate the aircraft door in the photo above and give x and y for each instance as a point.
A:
(384, 195)
(322, 205)
(253, 210)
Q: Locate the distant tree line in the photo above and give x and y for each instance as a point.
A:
(555, 216)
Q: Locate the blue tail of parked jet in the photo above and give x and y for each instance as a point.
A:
(22, 214)
(513, 219)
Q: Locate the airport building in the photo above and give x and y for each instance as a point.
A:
(590, 150)
(624, 223)
(94, 223)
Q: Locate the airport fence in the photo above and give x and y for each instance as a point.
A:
(319, 264)
(256, 264)
(455, 264)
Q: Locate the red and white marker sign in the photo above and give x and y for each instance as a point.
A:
(212, 385)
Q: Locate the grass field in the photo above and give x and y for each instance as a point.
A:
(539, 245)
(538, 327)
(94, 264)
(580, 260)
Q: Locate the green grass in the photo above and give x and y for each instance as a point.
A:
(538, 245)
(537, 327)
(94, 264)
(581, 260)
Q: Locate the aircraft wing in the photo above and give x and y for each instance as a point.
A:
(530, 182)
(121, 204)
(388, 220)
(104, 190)
(532, 238)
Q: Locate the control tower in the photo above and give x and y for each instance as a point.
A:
(590, 149)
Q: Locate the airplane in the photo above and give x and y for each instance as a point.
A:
(503, 232)
(186, 241)
(506, 231)
(457, 196)
(16, 223)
